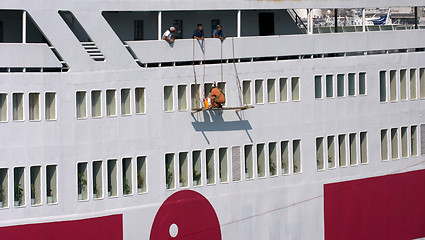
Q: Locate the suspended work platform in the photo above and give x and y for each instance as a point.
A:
(237, 109)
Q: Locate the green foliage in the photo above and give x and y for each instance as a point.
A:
(140, 180)
(1, 193)
(82, 182)
(196, 175)
(126, 187)
(19, 192)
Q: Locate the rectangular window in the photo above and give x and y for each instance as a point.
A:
(283, 87)
(384, 144)
(96, 103)
(18, 106)
(351, 84)
(295, 86)
(404, 148)
(111, 102)
(284, 157)
(112, 178)
(222, 161)
(207, 88)
(362, 83)
(97, 180)
(127, 179)
(246, 90)
(318, 86)
(296, 154)
(210, 166)
(81, 104)
(183, 169)
(50, 110)
(141, 175)
(236, 163)
(329, 86)
(331, 152)
(51, 184)
(82, 181)
(394, 143)
(353, 149)
(195, 96)
(273, 159)
(271, 90)
(19, 186)
(4, 188)
(34, 107)
(168, 98)
(138, 30)
(342, 151)
(125, 102)
(393, 85)
(35, 190)
(222, 86)
(319, 153)
(383, 86)
(140, 100)
(403, 84)
(340, 88)
(261, 160)
(3, 107)
(249, 162)
(363, 147)
(413, 89)
(196, 166)
(422, 82)
(181, 94)
(413, 141)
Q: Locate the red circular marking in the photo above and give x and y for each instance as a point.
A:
(192, 213)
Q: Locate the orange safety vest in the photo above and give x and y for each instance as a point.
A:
(217, 97)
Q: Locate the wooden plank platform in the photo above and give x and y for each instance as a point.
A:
(237, 109)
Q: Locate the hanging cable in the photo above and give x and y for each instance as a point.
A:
(194, 74)
(221, 60)
(242, 99)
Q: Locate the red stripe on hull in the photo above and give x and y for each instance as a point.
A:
(387, 207)
(105, 228)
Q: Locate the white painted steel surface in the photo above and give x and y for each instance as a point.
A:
(27, 55)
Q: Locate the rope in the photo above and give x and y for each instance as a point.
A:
(194, 73)
(221, 60)
(237, 75)
(203, 65)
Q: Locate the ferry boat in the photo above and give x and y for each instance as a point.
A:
(104, 134)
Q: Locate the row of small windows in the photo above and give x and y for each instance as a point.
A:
(182, 96)
(192, 169)
(128, 180)
(284, 89)
(34, 106)
(394, 136)
(39, 187)
(353, 79)
(326, 147)
(402, 84)
(111, 110)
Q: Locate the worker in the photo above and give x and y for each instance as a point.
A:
(199, 33)
(169, 35)
(218, 33)
(217, 96)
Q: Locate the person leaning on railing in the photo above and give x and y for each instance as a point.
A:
(199, 33)
(169, 35)
(218, 33)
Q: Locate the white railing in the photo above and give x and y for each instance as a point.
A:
(186, 50)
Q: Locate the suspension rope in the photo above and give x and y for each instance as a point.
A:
(203, 65)
(242, 99)
(194, 73)
(221, 60)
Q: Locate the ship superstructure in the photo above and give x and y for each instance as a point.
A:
(101, 139)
